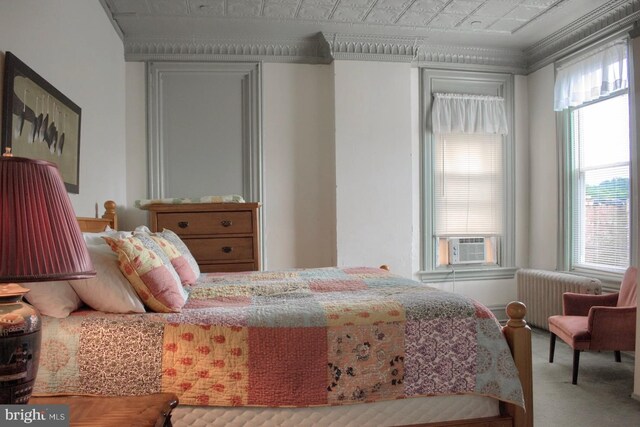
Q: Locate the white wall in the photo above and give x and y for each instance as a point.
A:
(523, 182)
(73, 46)
(416, 174)
(373, 164)
(543, 213)
(299, 166)
(136, 131)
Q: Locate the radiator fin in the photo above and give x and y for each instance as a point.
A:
(541, 291)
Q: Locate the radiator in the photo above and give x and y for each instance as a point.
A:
(541, 291)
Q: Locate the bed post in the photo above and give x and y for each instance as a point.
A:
(110, 213)
(518, 335)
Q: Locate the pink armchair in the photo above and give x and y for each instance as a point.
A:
(597, 322)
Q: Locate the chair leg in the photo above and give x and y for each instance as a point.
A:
(576, 363)
(618, 358)
(552, 347)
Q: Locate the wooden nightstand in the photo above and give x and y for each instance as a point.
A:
(220, 236)
(152, 410)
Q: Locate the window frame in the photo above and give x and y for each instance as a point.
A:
(565, 260)
(481, 83)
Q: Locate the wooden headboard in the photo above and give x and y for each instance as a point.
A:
(95, 225)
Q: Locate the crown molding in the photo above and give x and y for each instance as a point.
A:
(419, 52)
(613, 17)
(372, 48)
(308, 51)
(323, 49)
(471, 58)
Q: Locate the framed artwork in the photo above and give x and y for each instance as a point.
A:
(39, 122)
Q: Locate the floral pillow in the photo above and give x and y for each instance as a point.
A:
(151, 244)
(180, 246)
(154, 283)
(178, 261)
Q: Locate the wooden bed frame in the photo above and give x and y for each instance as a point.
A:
(516, 332)
(95, 225)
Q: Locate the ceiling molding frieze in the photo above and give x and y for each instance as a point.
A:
(310, 51)
(608, 19)
(364, 48)
(323, 49)
(471, 58)
(420, 52)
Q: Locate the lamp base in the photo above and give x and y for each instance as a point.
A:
(20, 335)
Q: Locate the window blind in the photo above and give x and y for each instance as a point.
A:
(468, 184)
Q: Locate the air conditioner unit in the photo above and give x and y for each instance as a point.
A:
(467, 250)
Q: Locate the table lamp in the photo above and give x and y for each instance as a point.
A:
(40, 241)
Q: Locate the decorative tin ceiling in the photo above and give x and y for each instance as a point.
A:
(484, 24)
(487, 15)
(496, 16)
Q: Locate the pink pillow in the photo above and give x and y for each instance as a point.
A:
(178, 261)
(173, 238)
(153, 281)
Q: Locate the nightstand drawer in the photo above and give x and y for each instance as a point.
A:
(220, 268)
(221, 249)
(204, 223)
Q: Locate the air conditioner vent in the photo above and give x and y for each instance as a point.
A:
(467, 250)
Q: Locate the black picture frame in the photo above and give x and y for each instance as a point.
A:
(40, 122)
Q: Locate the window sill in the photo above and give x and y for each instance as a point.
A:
(467, 274)
(610, 280)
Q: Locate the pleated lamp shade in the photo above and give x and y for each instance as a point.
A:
(40, 239)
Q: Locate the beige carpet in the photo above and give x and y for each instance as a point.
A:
(602, 396)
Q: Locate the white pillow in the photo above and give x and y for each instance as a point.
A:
(55, 299)
(96, 238)
(109, 291)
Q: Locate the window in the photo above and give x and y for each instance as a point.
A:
(600, 208)
(467, 187)
(596, 178)
(468, 191)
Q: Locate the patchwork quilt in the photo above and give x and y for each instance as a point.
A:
(327, 336)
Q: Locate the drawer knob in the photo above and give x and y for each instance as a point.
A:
(183, 224)
(227, 249)
(226, 223)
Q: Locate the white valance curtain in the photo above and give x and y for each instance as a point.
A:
(462, 113)
(589, 78)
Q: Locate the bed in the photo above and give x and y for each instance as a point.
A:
(330, 346)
